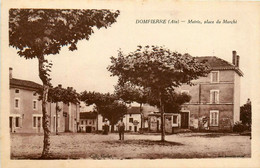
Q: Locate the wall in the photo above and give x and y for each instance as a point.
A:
(237, 98)
(83, 123)
(128, 124)
(26, 112)
(200, 105)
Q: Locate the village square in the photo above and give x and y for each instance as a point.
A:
(163, 103)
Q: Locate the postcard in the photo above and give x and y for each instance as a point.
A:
(130, 84)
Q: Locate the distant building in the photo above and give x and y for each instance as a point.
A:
(90, 122)
(26, 109)
(134, 119)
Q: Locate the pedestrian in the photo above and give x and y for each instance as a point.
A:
(106, 128)
(121, 129)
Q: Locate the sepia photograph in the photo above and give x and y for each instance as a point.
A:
(141, 83)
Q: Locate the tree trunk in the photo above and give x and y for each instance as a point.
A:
(46, 116)
(57, 108)
(162, 120)
(142, 117)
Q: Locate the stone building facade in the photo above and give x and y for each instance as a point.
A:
(26, 109)
(215, 101)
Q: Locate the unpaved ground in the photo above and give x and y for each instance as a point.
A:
(96, 146)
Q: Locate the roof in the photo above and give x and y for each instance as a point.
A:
(88, 115)
(159, 114)
(216, 63)
(133, 110)
(24, 83)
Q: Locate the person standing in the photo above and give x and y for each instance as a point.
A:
(121, 129)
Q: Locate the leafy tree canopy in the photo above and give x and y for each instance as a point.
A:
(156, 68)
(246, 113)
(130, 93)
(106, 104)
(59, 94)
(37, 32)
(113, 111)
(97, 98)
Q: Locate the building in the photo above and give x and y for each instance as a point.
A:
(134, 120)
(90, 122)
(215, 100)
(170, 119)
(26, 109)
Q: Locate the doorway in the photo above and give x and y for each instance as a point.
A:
(11, 124)
(135, 128)
(67, 121)
(185, 120)
(88, 129)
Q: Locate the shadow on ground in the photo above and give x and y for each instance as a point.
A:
(143, 142)
(212, 135)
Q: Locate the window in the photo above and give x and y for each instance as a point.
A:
(34, 104)
(37, 121)
(214, 76)
(131, 120)
(175, 117)
(17, 90)
(17, 123)
(214, 117)
(82, 122)
(34, 121)
(34, 93)
(90, 122)
(130, 128)
(214, 96)
(16, 103)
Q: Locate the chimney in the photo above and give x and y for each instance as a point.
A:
(59, 85)
(237, 63)
(234, 58)
(10, 73)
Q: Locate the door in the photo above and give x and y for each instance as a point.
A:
(185, 120)
(11, 124)
(88, 129)
(135, 128)
(67, 122)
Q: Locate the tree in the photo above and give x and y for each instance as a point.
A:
(105, 104)
(59, 94)
(97, 98)
(130, 93)
(173, 101)
(36, 33)
(158, 69)
(246, 114)
(113, 112)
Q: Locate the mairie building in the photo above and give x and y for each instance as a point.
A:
(215, 100)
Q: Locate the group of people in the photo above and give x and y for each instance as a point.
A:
(120, 126)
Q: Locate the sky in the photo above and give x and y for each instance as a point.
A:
(86, 68)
